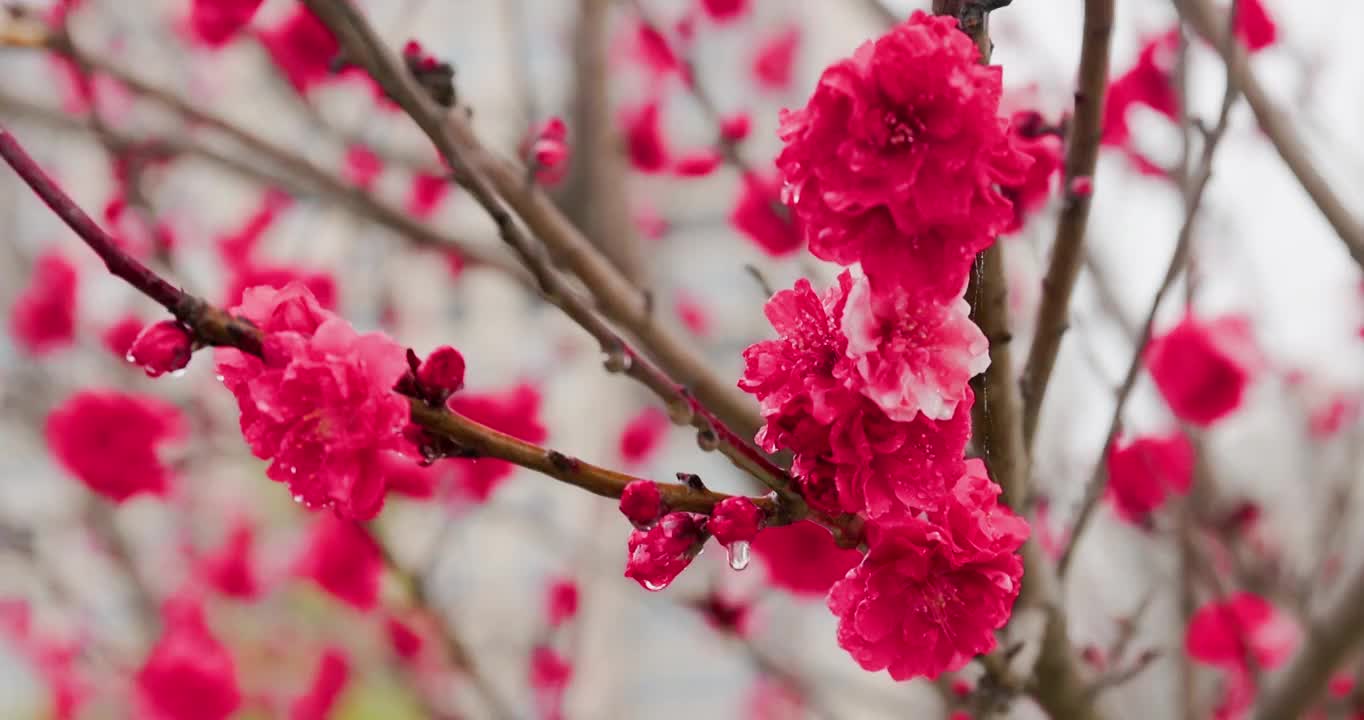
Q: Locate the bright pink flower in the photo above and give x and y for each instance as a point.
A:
(725, 614)
(363, 166)
(237, 247)
(1150, 82)
(760, 215)
(1144, 472)
(896, 159)
(549, 152)
(661, 553)
(912, 357)
(1254, 25)
(161, 348)
(43, 318)
(735, 127)
(549, 677)
(1203, 368)
(561, 602)
(849, 456)
(697, 164)
(515, 412)
(642, 435)
(320, 404)
(724, 10)
(652, 49)
(1046, 150)
(775, 58)
(426, 193)
(302, 47)
(803, 558)
(644, 140)
(641, 503)
(405, 641)
(215, 22)
(118, 338)
(693, 315)
(931, 591)
(442, 372)
(231, 570)
(343, 559)
(109, 440)
(736, 519)
(188, 675)
(1243, 631)
(333, 672)
(321, 284)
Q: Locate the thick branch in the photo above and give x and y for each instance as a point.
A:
(1277, 126)
(1068, 251)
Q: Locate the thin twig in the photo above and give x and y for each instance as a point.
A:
(1277, 126)
(1093, 490)
(1068, 250)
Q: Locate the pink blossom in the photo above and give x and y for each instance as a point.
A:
(895, 160)
(652, 49)
(333, 672)
(661, 553)
(161, 348)
(189, 674)
(1149, 82)
(442, 372)
(1045, 148)
(236, 247)
(775, 57)
(1254, 25)
(561, 602)
(645, 143)
(54, 660)
(343, 559)
(302, 47)
(118, 338)
(735, 126)
(215, 22)
(110, 441)
(641, 503)
(514, 412)
(1243, 631)
(803, 558)
(404, 640)
(1143, 472)
(642, 435)
(736, 519)
(693, 315)
(1203, 368)
(363, 166)
(699, 163)
(724, 10)
(43, 317)
(760, 215)
(725, 614)
(231, 570)
(249, 274)
(912, 357)
(931, 591)
(549, 677)
(549, 151)
(319, 404)
(426, 193)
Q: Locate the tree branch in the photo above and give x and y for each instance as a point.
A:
(1201, 16)
(1068, 250)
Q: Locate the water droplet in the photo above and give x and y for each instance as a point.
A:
(179, 373)
(738, 555)
(218, 377)
(293, 470)
(653, 586)
(298, 499)
(129, 356)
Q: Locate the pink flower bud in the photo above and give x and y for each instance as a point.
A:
(162, 348)
(442, 372)
(661, 553)
(561, 603)
(1082, 186)
(549, 152)
(736, 519)
(736, 127)
(641, 503)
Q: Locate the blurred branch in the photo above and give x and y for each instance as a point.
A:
(1094, 488)
(489, 180)
(1276, 125)
(1068, 250)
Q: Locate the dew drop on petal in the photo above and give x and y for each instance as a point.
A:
(738, 554)
(652, 586)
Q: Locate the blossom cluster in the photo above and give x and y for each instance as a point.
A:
(898, 164)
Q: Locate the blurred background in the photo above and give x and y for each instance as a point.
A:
(91, 571)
